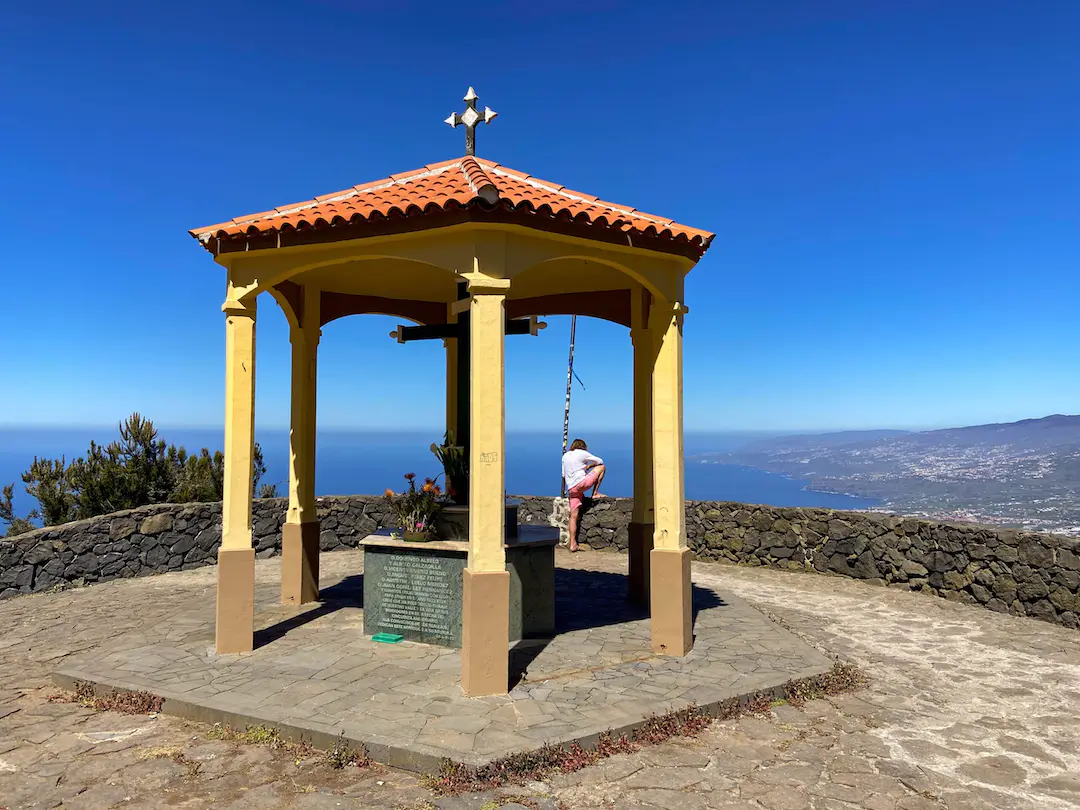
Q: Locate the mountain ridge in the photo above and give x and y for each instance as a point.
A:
(1024, 473)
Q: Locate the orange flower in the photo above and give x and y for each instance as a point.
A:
(410, 476)
(389, 493)
(427, 487)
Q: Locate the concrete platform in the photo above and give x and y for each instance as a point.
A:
(315, 675)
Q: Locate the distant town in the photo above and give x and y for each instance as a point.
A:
(1021, 474)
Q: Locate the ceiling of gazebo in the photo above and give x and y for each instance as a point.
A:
(467, 189)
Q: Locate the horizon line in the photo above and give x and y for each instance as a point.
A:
(274, 428)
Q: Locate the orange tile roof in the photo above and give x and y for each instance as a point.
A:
(467, 184)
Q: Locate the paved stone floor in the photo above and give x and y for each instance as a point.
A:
(965, 709)
(316, 673)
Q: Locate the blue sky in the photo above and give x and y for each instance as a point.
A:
(893, 185)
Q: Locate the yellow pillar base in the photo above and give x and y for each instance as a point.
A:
(235, 601)
(485, 633)
(672, 622)
(641, 544)
(300, 563)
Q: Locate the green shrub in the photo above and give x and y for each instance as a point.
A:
(137, 470)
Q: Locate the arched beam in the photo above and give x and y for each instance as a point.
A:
(290, 297)
(659, 275)
(336, 305)
(250, 275)
(608, 305)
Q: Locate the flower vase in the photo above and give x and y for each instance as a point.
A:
(415, 537)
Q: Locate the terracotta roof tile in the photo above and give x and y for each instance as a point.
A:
(454, 184)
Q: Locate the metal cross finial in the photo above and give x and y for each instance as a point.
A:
(470, 118)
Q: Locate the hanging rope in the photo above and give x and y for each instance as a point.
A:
(569, 387)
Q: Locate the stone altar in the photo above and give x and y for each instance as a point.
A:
(415, 590)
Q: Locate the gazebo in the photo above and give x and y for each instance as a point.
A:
(465, 238)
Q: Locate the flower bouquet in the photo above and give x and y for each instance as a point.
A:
(416, 509)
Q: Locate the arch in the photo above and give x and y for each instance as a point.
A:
(608, 305)
(335, 305)
(290, 298)
(249, 278)
(573, 269)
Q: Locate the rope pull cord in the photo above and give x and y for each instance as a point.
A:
(570, 375)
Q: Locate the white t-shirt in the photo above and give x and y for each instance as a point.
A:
(573, 466)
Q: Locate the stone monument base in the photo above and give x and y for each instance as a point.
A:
(414, 589)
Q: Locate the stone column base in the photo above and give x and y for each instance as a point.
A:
(641, 543)
(300, 563)
(485, 633)
(560, 518)
(672, 622)
(235, 601)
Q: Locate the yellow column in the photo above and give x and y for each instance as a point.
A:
(300, 534)
(641, 524)
(486, 583)
(672, 630)
(236, 559)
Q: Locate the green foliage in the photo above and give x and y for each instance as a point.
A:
(258, 469)
(137, 470)
(268, 491)
(16, 525)
(455, 466)
(200, 477)
(47, 482)
(132, 472)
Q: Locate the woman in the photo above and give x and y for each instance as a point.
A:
(580, 470)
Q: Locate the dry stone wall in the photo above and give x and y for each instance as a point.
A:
(167, 537)
(1023, 573)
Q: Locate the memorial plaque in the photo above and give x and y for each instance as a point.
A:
(414, 589)
(414, 593)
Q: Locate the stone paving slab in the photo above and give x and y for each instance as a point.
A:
(966, 709)
(314, 674)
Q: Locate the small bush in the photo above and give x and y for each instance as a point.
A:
(341, 755)
(122, 702)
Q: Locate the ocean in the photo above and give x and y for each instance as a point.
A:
(354, 462)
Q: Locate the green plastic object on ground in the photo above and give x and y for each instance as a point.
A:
(387, 638)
